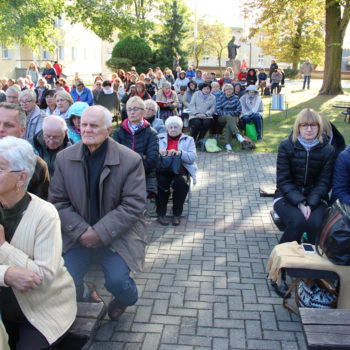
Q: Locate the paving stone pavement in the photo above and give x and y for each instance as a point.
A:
(204, 282)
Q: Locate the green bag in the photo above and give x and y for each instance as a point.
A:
(250, 131)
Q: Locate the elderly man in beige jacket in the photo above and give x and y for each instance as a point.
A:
(100, 194)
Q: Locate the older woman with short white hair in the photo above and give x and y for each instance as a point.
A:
(151, 111)
(38, 301)
(35, 116)
(170, 143)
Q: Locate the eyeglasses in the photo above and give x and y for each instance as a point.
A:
(25, 102)
(134, 109)
(52, 138)
(150, 109)
(306, 126)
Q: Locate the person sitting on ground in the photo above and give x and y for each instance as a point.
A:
(34, 114)
(109, 98)
(37, 293)
(276, 78)
(202, 106)
(97, 88)
(151, 110)
(40, 90)
(238, 90)
(232, 74)
(215, 89)
(191, 89)
(50, 75)
(51, 140)
(198, 78)
(82, 93)
(13, 123)
(225, 79)
(212, 77)
(63, 101)
(73, 122)
(99, 192)
(335, 138)
(167, 101)
(150, 86)
(252, 108)
(251, 77)
(48, 103)
(12, 94)
(181, 81)
(242, 76)
(229, 109)
(262, 77)
(170, 143)
(304, 178)
(137, 134)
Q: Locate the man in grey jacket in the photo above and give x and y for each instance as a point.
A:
(307, 69)
(100, 194)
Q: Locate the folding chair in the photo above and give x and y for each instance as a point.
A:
(278, 102)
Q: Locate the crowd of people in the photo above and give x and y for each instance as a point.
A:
(69, 191)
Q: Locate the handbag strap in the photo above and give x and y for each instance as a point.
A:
(292, 286)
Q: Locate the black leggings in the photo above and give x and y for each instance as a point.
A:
(200, 126)
(296, 223)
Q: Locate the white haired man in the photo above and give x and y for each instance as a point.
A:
(99, 192)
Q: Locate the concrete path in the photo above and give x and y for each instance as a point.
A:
(204, 282)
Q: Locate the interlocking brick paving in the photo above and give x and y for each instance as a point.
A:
(204, 282)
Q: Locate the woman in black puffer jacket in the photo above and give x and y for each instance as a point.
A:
(304, 177)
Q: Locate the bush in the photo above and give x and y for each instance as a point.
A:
(119, 63)
(291, 73)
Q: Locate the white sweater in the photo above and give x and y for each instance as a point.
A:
(37, 245)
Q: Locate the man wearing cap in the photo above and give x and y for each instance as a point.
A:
(252, 108)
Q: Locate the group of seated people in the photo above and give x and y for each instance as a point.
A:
(311, 162)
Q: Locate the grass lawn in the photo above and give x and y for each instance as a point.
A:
(297, 99)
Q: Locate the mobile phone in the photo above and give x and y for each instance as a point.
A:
(308, 248)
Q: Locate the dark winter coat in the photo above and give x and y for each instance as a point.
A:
(251, 79)
(341, 177)
(304, 176)
(273, 66)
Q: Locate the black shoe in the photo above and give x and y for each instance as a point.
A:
(176, 220)
(163, 220)
(259, 138)
(281, 289)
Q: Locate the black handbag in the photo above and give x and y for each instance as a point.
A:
(334, 240)
(169, 164)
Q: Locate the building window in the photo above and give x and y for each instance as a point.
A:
(74, 53)
(206, 60)
(61, 53)
(46, 54)
(6, 53)
(261, 59)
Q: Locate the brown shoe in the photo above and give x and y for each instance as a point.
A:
(115, 309)
(163, 220)
(176, 220)
(93, 297)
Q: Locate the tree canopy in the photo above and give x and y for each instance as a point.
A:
(29, 22)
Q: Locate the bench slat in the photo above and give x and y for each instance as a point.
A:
(82, 327)
(325, 317)
(327, 341)
(91, 310)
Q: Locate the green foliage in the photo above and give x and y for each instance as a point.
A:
(29, 22)
(291, 73)
(131, 51)
(170, 41)
(116, 63)
(290, 29)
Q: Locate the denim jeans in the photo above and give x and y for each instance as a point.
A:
(274, 86)
(117, 279)
(307, 80)
(256, 119)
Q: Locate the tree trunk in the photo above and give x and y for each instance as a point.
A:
(334, 43)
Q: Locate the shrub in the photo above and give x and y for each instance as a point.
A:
(119, 63)
(291, 73)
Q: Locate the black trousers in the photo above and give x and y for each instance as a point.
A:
(200, 126)
(296, 223)
(179, 184)
(23, 336)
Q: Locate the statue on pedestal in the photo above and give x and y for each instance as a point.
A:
(232, 53)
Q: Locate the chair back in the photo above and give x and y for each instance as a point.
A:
(278, 102)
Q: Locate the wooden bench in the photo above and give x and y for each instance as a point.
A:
(326, 329)
(82, 332)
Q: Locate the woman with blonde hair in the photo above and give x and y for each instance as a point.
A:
(33, 72)
(304, 178)
(63, 101)
(49, 73)
(335, 138)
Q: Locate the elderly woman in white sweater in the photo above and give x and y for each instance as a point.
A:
(38, 301)
(202, 107)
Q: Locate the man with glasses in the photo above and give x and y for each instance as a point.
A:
(12, 94)
(50, 140)
(137, 134)
(99, 192)
(13, 123)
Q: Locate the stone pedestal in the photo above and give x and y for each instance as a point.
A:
(235, 65)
